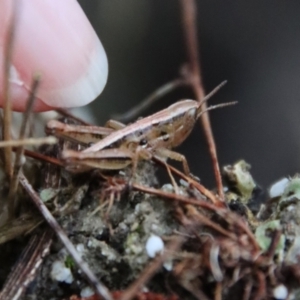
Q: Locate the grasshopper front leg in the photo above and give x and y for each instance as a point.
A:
(166, 153)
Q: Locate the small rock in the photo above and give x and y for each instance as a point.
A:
(280, 292)
(154, 245)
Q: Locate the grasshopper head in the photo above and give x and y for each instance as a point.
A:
(183, 107)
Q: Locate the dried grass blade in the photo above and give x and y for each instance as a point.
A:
(50, 140)
(7, 118)
(20, 150)
(25, 269)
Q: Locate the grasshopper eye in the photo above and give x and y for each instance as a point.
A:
(143, 142)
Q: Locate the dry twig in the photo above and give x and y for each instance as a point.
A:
(190, 29)
(98, 286)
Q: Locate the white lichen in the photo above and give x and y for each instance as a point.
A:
(86, 292)
(277, 189)
(59, 272)
(168, 265)
(80, 248)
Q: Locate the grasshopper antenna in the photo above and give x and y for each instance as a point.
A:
(212, 93)
(200, 111)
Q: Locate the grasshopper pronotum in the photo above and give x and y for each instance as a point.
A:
(152, 136)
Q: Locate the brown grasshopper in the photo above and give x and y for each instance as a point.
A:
(120, 145)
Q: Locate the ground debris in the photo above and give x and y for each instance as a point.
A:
(235, 253)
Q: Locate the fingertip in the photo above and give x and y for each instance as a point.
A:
(55, 39)
(84, 89)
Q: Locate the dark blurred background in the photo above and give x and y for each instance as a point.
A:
(255, 45)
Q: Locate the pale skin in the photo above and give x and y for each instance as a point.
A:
(53, 38)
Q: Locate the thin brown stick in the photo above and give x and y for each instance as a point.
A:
(201, 188)
(218, 291)
(194, 215)
(8, 53)
(20, 150)
(50, 140)
(174, 197)
(150, 270)
(185, 200)
(261, 289)
(247, 289)
(227, 215)
(224, 213)
(99, 287)
(274, 243)
(189, 24)
(42, 157)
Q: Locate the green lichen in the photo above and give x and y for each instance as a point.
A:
(48, 194)
(263, 235)
(238, 175)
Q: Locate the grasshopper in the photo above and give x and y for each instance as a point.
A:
(120, 145)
